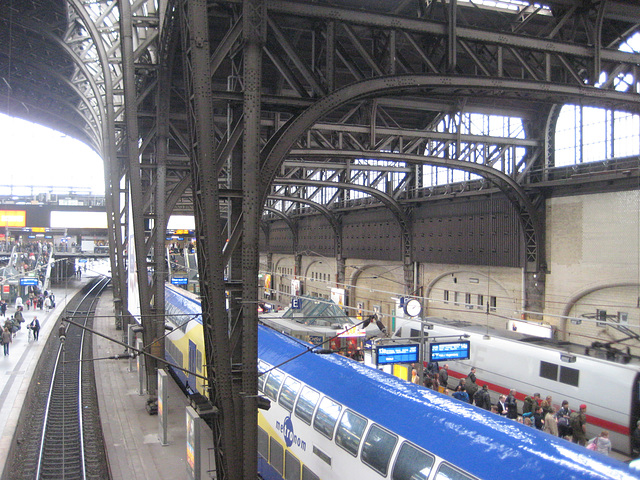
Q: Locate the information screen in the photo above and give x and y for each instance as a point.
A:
(397, 354)
(449, 351)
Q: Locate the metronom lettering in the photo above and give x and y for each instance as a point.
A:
(290, 438)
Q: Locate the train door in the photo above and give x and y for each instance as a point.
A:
(635, 405)
(192, 364)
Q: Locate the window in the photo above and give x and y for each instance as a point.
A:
(288, 394)
(570, 376)
(549, 371)
(446, 295)
(350, 431)
(277, 452)
(493, 302)
(467, 300)
(377, 449)
(263, 443)
(291, 467)
(412, 464)
(449, 472)
(273, 384)
(326, 417)
(308, 474)
(262, 367)
(480, 302)
(307, 402)
(455, 298)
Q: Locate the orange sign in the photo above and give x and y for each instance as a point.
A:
(13, 218)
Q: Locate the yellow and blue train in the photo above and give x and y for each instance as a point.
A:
(332, 417)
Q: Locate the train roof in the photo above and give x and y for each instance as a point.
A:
(464, 435)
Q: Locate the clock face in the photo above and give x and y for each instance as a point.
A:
(412, 307)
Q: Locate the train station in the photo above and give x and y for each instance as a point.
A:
(386, 239)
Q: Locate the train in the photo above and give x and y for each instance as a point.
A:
(332, 417)
(611, 390)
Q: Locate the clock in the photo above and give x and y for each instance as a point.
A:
(412, 308)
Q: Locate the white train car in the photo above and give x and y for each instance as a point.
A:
(610, 390)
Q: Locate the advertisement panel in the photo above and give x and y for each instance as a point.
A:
(13, 218)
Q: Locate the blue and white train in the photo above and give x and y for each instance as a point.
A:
(332, 417)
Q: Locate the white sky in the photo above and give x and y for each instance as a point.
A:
(36, 156)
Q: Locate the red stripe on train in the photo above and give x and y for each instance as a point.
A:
(599, 422)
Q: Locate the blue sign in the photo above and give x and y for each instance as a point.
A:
(316, 339)
(179, 281)
(397, 354)
(29, 281)
(296, 303)
(449, 351)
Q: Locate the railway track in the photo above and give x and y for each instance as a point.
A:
(61, 436)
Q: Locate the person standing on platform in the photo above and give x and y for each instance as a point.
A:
(578, 423)
(415, 378)
(470, 385)
(482, 398)
(6, 339)
(444, 376)
(47, 303)
(564, 429)
(551, 422)
(3, 308)
(512, 405)
(35, 327)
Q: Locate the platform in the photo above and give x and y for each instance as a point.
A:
(17, 368)
(131, 434)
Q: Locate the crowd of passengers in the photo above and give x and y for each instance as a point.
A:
(536, 412)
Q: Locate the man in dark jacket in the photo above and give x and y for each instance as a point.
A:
(444, 376)
(482, 398)
(578, 423)
(512, 405)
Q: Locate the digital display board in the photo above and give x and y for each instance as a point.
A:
(397, 354)
(449, 351)
(28, 281)
(179, 281)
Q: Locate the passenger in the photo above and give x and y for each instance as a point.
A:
(433, 368)
(528, 405)
(6, 339)
(538, 418)
(18, 301)
(578, 423)
(562, 417)
(501, 406)
(428, 380)
(512, 405)
(3, 308)
(601, 443)
(547, 405)
(527, 421)
(435, 383)
(551, 423)
(415, 378)
(470, 385)
(47, 304)
(444, 376)
(482, 398)
(35, 327)
(461, 394)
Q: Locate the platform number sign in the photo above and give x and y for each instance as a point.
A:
(296, 303)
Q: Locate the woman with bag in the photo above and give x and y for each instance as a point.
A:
(601, 443)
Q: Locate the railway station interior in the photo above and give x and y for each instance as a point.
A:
(468, 164)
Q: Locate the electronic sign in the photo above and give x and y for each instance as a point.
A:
(180, 281)
(28, 281)
(389, 354)
(439, 352)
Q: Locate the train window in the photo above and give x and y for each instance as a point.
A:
(449, 472)
(262, 367)
(549, 370)
(350, 431)
(288, 393)
(377, 449)
(273, 384)
(412, 463)
(570, 376)
(307, 402)
(326, 417)
(263, 443)
(291, 467)
(277, 453)
(308, 474)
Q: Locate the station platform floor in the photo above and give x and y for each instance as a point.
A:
(131, 435)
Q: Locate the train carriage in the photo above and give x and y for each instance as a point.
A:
(610, 390)
(332, 417)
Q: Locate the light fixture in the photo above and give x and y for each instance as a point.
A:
(567, 357)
